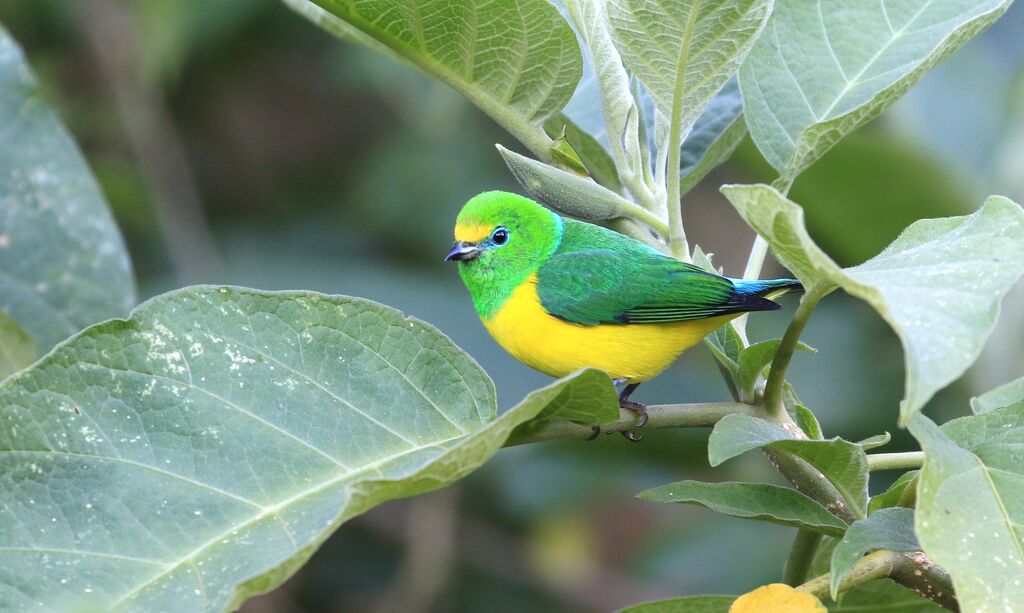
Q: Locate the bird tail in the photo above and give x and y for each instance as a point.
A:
(767, 288)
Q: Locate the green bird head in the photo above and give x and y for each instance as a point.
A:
(500, 239)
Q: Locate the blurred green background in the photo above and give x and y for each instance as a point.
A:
(237, 143)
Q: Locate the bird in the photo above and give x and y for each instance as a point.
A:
(560, 294)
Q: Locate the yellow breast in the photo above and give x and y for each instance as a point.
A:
(637, 352)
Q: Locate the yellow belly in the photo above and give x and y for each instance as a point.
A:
(636, 352)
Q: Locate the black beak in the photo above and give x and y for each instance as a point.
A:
(462, 251)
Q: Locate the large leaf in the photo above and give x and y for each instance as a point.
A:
(685, 604)
(518, 60)
(843, 463)
(684, 51)
(63, 264)
(715, 135)
(780, 505)
(1002, 396)
(822, 69)
(200, 451)
(16, 348)
(604, 101)
(970, 505)
(938, 284)
(891, 529)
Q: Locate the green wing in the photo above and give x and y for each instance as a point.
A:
(598, 276)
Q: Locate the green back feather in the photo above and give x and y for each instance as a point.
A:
(597, 276)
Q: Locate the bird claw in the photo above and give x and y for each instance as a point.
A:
(632, 436)
(639, 409)
(596, 432)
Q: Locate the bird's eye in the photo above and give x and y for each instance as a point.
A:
(499, 236)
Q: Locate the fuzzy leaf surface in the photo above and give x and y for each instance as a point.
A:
(824, 68)
(200, 451)
(63, 263)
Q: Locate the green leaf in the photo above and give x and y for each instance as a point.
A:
(1002, 396)
(843, 463)
(200, 451)
(16, 348)
(938, 284)
(779, 505)
(754, 359)
(63, 264)
(873, 442)
(970, 505)
(715, 136)
(684, 51)
(892, 496)
(598, 163)
(685, 604)
(819, 72)
(891, 529)
(518, 60)
(805, 418)
(883, 595)
(572, 194)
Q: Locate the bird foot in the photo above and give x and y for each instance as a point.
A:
(632, 405)
(643, 416)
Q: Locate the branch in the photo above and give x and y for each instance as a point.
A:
(913, 570)
(700, 415)
(896, 461)
(801, 555)
(809, 481)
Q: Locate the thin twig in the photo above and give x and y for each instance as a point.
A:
(896, 461)
(801, 555)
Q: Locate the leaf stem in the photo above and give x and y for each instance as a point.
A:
(913, 570)
(700, 415)
(677, 235)
(777, 376)
(800, 557)
(896, 461)
(875, 565)
(752, 271)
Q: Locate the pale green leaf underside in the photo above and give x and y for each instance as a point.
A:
(199, 452)
(938, 284)
(684, 51)
(970, 505)
(16, 348)
(603, 102)
(1002, 396)
(63, 264)
(891, 529)
(780, 505)
(518, 60)
(843, 463)
(822, 68)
